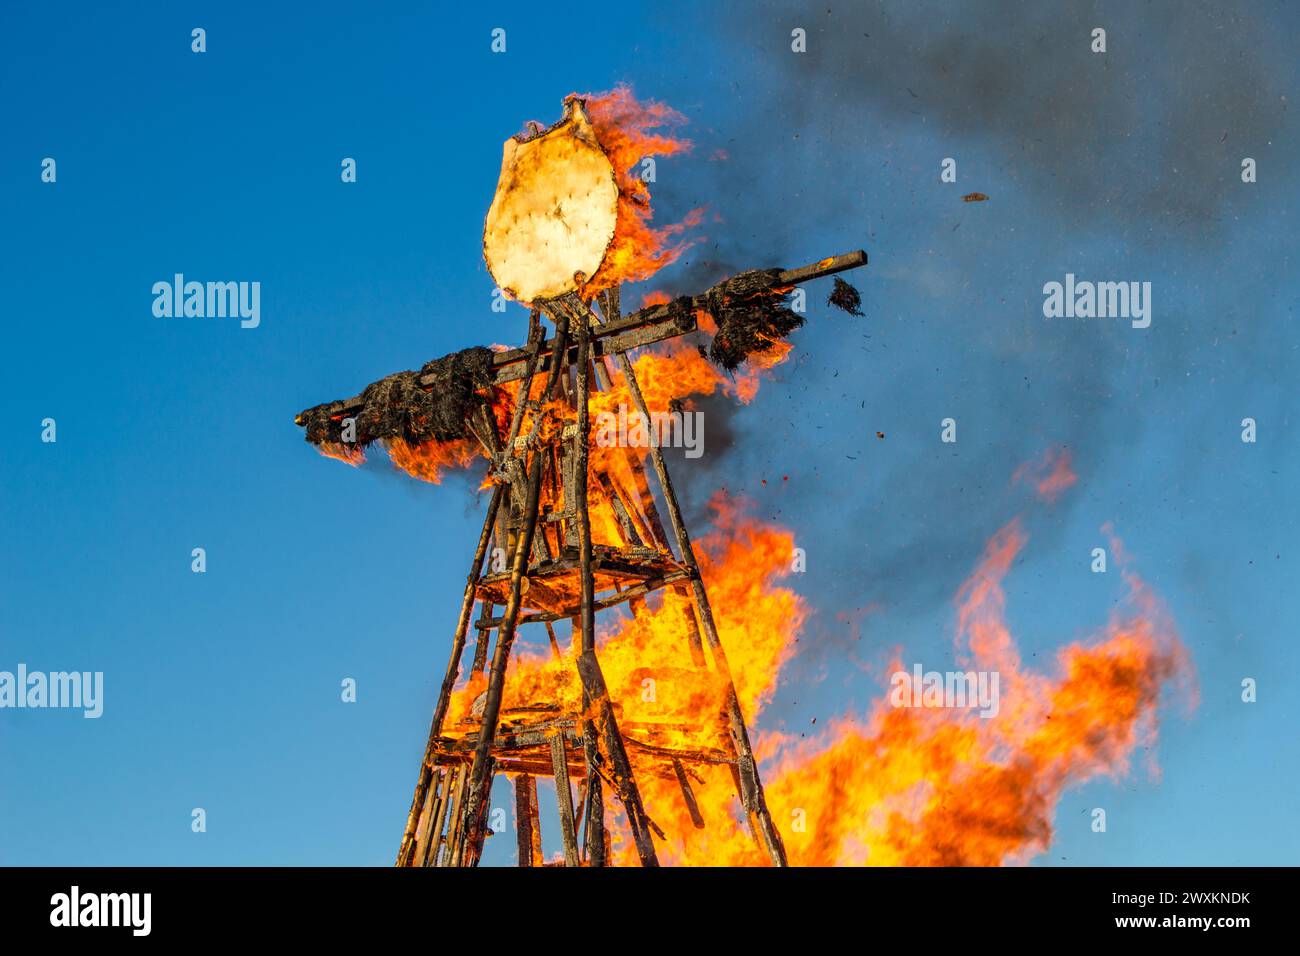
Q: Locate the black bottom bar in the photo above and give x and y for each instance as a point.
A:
(932, 908)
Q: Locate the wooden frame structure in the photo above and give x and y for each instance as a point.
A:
(555, 572)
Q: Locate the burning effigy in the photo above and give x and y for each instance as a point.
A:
(648, 718)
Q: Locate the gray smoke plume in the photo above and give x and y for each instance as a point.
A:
(1131, 154)
(1147, 136)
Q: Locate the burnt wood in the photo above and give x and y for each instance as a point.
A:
(643, 327)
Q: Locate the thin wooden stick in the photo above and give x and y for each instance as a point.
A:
(427, 815)
(588, 665)
(535, 828)
(652, 527)
(564, 798)
(621, 513)
(449, 679)
(523, 400)
(688, 795)
(451, 781)
(580, 807)
(751, 787)
(524, 819)
(455, 823)
(692, 627)
(483, 639)
(480, 772)
(593, 829)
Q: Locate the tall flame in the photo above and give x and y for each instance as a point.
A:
(901, 786)
(932, 787)
(631, 131)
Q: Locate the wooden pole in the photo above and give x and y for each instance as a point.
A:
(610, 305)
(483, 639)
(524, 818)
(751, 787)
(535, 829)
(692, 806)
(564, 798)
(456, 817)
(427, 815)
(692, 627)
(406, 847)
(467, 852)
(480, 779)
(523, 399)
(480, 782)
(451, 783)
(593, 830)
(593, 679)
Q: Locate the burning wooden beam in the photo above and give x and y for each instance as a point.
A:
(564, 799)
(643, 327)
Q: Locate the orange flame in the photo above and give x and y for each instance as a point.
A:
(905, 786)
(942, 787)
(624, 128)
(743, 562)
(1050, 475)
(743, 385)
(756, 367)
(353, 455)
(428, 461)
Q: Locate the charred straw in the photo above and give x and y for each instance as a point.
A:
(398, 406)
(752, 312)
(846, 297)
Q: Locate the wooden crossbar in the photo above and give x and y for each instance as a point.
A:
(644, 327)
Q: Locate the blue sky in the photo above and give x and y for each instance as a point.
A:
(222, 689)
